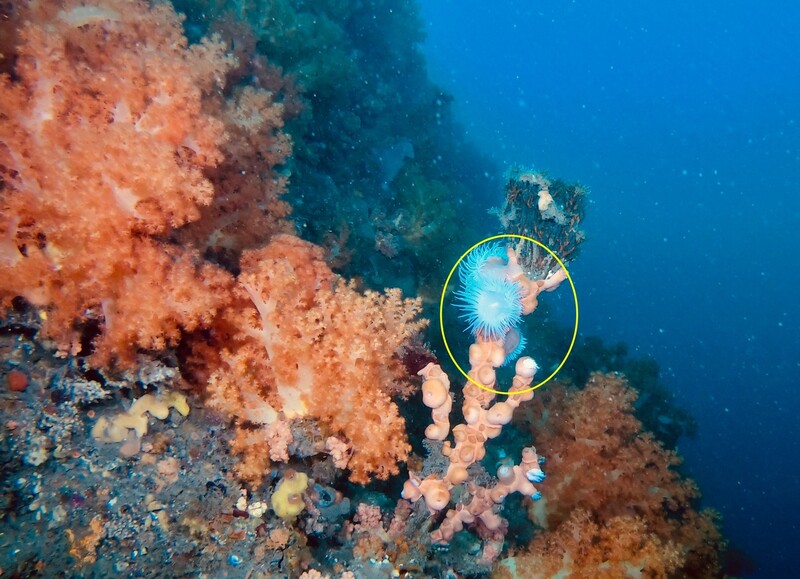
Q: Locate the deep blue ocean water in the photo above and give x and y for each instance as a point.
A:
(683, 118)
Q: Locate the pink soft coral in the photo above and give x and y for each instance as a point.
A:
(103, 144)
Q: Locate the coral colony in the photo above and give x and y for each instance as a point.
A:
(494, 295)
(187, 387)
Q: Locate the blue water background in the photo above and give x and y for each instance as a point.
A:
(684, 120)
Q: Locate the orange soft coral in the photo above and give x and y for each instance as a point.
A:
(315, 347)
(600, 463)
(103, 143)
(582, 549)
(247, 208)
(599, 459)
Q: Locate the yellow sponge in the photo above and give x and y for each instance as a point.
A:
(287, 500)
(116, 429)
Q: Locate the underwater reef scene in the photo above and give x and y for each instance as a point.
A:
(225, 229)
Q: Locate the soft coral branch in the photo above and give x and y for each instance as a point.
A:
(103, 144)
(614, 497)
(315, 347)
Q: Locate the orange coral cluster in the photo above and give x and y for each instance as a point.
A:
(103, 142)
(247, 205)
(583, 549)
(116, 143)
(613, 501)
(310, 345)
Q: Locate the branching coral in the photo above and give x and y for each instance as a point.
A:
(103, 143)
(482, 422)
(313, 346)
(495, 293)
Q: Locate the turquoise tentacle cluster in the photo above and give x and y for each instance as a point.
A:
(489, 301)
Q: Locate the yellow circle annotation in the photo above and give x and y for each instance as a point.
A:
(574, 295)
